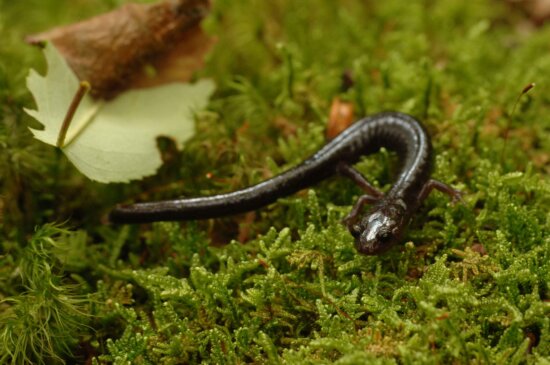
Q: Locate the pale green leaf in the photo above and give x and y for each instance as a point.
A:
(114, 141)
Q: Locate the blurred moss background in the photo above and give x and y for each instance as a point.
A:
(284, 284)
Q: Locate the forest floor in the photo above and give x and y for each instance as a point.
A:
(284, 284)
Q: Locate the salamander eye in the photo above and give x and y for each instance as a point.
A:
(355, 230)
(384, 237)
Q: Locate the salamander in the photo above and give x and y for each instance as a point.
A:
(381, 227)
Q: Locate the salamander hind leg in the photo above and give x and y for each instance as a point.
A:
(456, 195)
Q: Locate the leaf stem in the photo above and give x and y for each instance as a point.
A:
(80, 93)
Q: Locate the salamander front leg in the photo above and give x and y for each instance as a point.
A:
(351, 218)
(444, 188)
(359, 179)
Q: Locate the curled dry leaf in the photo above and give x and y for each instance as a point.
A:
(110, 50)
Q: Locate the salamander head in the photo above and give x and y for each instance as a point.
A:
(380, 229)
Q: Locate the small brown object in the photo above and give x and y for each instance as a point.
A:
(479, 248)
(341, 117)
(111, 49)
(537, 11)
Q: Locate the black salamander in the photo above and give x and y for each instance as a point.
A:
(376, 231)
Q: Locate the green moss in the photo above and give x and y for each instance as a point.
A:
(470, 284)
(43, 321)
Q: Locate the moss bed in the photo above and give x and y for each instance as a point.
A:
(284, 285)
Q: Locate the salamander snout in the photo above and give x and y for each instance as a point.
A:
(379, 230)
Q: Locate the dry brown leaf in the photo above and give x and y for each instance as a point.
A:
(341, 117)
(112, 51)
